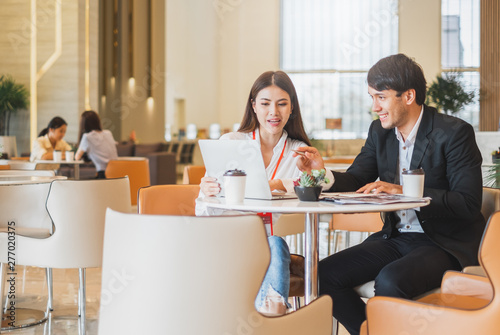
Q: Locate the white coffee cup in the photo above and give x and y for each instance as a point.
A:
(234, 186)
(413, 183)
(70, 156)
(57, 155)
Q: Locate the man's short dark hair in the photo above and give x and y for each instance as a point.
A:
(399, 73)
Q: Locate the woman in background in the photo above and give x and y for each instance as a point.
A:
(99, 144)
(272, 118)
(50, 139)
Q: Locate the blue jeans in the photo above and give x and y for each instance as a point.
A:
(278, 274)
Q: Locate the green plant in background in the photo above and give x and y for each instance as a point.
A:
(448, 94)
(13, 97)
(311, 180)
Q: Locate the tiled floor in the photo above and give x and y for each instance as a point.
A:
(31, 290)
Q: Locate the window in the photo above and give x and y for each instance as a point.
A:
(460, 50)
(327, 48)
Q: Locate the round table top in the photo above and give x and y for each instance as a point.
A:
(297, 206)
(50, 161)
(23, 179)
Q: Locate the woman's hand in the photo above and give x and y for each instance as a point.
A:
(209, 186)
(276, 184)
(309, 160)
(381, 186)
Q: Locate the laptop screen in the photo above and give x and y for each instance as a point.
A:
(222, 155)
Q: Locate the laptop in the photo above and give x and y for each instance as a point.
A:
(222, 155)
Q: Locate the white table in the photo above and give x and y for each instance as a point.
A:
(75, 164)
(23, 179)
(311, 211)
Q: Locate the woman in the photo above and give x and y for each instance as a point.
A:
(272, 117)
(50, 139)
(99, 144)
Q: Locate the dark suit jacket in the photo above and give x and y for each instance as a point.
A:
(446, 149)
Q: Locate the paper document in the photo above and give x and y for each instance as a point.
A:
(361, 198)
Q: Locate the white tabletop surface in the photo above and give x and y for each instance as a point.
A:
(23, 179)
(50, 161)
(297, 206)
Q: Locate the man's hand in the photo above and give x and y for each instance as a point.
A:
(381, 186)
(309, 159)
(209, 186)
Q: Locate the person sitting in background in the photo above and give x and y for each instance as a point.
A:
(99, 144)
(50, 139)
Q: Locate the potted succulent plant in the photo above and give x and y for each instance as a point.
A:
(13, 97)
(308, 186)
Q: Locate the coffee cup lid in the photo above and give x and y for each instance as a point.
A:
(417, 171)
(235, 172)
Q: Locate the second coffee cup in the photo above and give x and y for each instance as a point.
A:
(234, 186)
(413, 183)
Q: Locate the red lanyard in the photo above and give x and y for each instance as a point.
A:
(279, 160)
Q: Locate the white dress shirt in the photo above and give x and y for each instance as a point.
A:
(409, 222)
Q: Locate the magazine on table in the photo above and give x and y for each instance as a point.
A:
(370, 198)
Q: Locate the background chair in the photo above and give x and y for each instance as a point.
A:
(137, 170)
(25, 203)
(192, 174)
(445, 313)
(77, 210)
(228, 272)
(361, 222)
(490, 204)
(168, 199)
(4, 167)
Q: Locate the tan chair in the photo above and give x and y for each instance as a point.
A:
(228, 273)
(193, 174)
(360, 222)
(77, 210)
(491, 204)
(449, 312)
(137, 170)
(168, 199)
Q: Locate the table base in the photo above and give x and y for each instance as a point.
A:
(25, 317)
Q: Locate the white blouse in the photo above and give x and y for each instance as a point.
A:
(42, 145)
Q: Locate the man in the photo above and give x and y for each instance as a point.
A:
(410, 254)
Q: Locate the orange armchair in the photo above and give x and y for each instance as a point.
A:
(168, 199)
(463, 307)
(137, 170)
